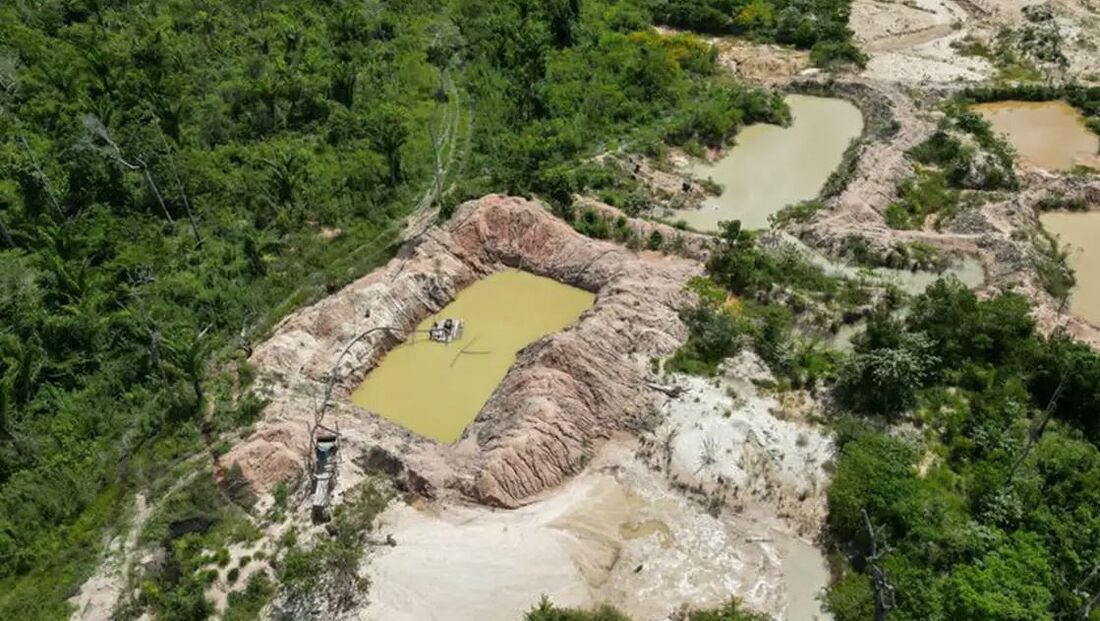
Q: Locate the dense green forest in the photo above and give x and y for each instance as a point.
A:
(988, 508)
(176, 175)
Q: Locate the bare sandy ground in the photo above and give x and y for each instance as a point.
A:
(911, 42)
(618, 534)
(100, 594)
(625, 533)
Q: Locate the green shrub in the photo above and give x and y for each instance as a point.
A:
(920, 197)
(797, 213)
(246, 605)
(655, 241)
(830, 54)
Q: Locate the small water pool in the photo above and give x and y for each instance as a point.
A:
(1081, 232)
(437, 389)
(1048, 134)
(771, 167)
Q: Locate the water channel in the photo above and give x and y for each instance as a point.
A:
(771, 167)
(437, 389)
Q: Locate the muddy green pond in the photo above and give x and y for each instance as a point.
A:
(437, 389)
(771, 167)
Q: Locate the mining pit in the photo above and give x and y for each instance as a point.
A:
(437, 388)
(563, 397)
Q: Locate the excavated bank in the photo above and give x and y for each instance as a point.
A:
(1003, 233)
(565, 394)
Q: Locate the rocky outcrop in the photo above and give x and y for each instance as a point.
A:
(563, 397)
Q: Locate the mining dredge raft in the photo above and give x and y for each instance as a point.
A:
(446, 331)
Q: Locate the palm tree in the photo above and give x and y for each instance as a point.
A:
(187, 355)
(389, 132)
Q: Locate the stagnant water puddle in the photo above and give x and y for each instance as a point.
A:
(1081, 232)
(437, 389)
(645, 528)
(771, 167)
(967, 269)
(1049, 134)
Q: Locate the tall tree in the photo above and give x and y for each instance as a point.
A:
(388, 132)
(563, 16)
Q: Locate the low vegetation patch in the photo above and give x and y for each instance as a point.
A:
(962, 156)
(731, 611)
(968, 152)
(754, 297)
(1054, 201)
(326, 574)
(798, 213)
(921, 196)
(820, 26)
(1052, 266)
(246, 605)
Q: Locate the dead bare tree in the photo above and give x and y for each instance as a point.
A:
(137, 279)
(93, 125)
(880, 580)
(1090, 599)
(42, 177)
(9, 81)
(6, 234)
(1036, 430)
(242, 340)
(9, 75)
(183, 196)
(154, 338)
(439, 114)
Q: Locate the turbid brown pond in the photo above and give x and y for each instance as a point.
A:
(1048, 134)
(436, 389)
(1080, 233)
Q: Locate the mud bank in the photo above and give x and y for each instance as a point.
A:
(563, 397)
